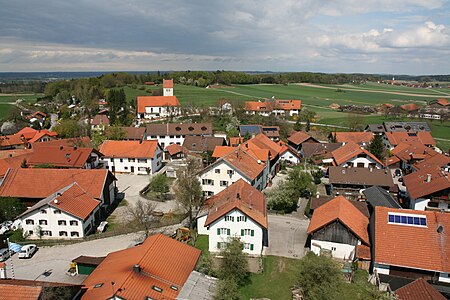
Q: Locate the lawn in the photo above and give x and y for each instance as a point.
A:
(202, 242)
(279, 275)
(4, 110)
(29, 98)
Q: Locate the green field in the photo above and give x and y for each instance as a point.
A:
(4, 110)
(29, 98)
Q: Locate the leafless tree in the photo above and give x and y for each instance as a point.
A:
(142, 216)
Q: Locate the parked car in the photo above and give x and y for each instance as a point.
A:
(28, 251)
(398, 172)
(102, 226)
(4, 254)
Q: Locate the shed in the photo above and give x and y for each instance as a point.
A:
(85, 265)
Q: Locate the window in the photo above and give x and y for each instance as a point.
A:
(229, 218)
(42, 222)
(178, 128)
(405, 219)
(74, 234)
(190, 128)
(248, 246)
(43, 211)
(30, 232)
(207, 182)
(250, 232)
(98, 285)
(217, 171)
(223, 231)
(171, 136)
(126, 168)
(157, 288)
(74, 223)
(242, 219)
(230, 172)
(63, 233)
(62, 222)
(333, 248)
(121, 160)
(111, 159)
(223, 183)
(142, 160)
(29, 222)
(56, 211)
(46, 232)
(131, 160)
(153, 137)
(221, 245)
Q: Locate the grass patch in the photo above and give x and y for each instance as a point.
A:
(4, 110)
(202, 242)
(124, 202)
(279, 275)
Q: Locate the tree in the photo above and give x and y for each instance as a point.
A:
(205, 264)
(308, 125)
(282, 198)
(355, 122)
(319, 277)
(376, 147)
(298, 125)
(24, 164)
(227, 289)
(142, 216)
(10, 208)
(70, 129)
(159, 184)
(300, 181)
(188, 190)
(234, 264)
(115, 133)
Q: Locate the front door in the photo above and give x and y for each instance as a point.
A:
(132, 169)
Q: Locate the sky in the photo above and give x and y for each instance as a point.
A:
(371, 36)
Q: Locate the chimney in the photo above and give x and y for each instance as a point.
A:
(61, 147)
(137, 268)
(75, 148)
(428, 178)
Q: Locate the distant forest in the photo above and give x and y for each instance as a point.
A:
(196, 78)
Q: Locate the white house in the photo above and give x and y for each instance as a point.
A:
(235, 165)
(167, 87)
(238, 211)
(155, 107)
(336, 228)
(289, 154)
(69, 213)
(393, 139)
(99, 123)
(175, 133)
(287, 107)
(353, 155)
(136, 157)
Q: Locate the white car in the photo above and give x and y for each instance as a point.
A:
(27, 251)
(102, 226)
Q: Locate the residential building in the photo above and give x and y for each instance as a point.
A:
(410, 243)
(272, 132)
(287, 107)
(376, 196)
(318, 150)
(134, 133)
(289, 154)
(320, 200)
(337, 228)
(135, 157)
(69, 213)
(237, 211)
(393, 139)
(20, 289)
(99, 123)
(417, 290)
(353, 155)
(257, 107)
(155, 107)
(25, 138)
(406, 126)
(361, 138)
(263, 148)
(81, 142)
(202, 144)
(156, 269)
(167, 87)
(405, 155)
(64, 157)
(298, 138)
(175, 133)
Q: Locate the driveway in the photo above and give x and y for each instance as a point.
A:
(131, 185)
(287, 236)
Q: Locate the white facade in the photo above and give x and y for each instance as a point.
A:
(220, 175)
(282, 112)
(261, 113)
(166, 140)
(338, 250)
(138, 166)
(167, 91)
(363, 160)
(56, 224)
(422, 204)
(385, 269)
(289, 156)
(153, 112)
(233, 224)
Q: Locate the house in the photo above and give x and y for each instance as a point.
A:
(81, 142)
(64, 157)
(69, 213)
(31, 185)
(437, 160)
(408, 154)
(289, 154)
(235, 141)
(428, 188)
(156, 269)
(320, 200)
(20, 289)
(202, 144)
(419, 289)
(257, 107)
(13, 162)
(298, 138)
(25, 138)
(264, 149)
(353, 155)
(393, 139)
(135, 157)
(406, 126)
(235, 165)
(134, 133)
(410, 243)
(337, 228)
(176, 152)
(99, 123)
(272, 132)
(287, 107)
(154, 107)
(351, 181)
(410, 108)
(174, 133)
(375, 128)
(361, 138)
(167, 87)
(318, 150)
(376, 196)
(237, 211)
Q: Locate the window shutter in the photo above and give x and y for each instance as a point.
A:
(251, 247)
(228, 231)
(242, 232)
(252, 232)
(218, 245)
(218, 231)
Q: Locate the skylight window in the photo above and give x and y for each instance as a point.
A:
(404, 219)
(412, 134)
(157, 288)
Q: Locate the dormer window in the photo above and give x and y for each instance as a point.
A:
(191, 128)
(204, 128)
(178, 128)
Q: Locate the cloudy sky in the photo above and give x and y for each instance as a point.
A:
(370, 36)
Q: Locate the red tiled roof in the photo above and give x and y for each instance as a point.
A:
(100, 120)
(66, 157)
(12, 163)
(258, 106)
(417, 185)
(398, 137)
(220, 151)
(168, 83)
(83, 142)
(14, 152)
(363, 252)
(18, 292)
(349, 151)
(341, 209)
(42, 134)
(262, 142)
(300, 137)
(156, 101)
(410, 107)
(404, 151)
(245, 163)
(133, 133)
(391, 160)
(288, 104)
(236, 141)
(242, 196)
(30, 133)
(175, 149)
(438, 160)
(12, 140)
(419, 289)
(40, 183)
(356, 137)
(27, 132)
(442, 101)
(129, 149)
(164, 263)
(416, 247)
(285, 147)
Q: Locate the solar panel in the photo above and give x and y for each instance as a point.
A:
(414, 220)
